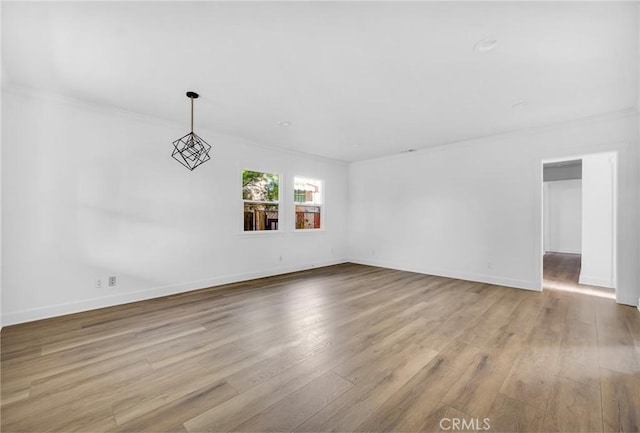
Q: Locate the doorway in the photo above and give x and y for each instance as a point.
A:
(579, 230)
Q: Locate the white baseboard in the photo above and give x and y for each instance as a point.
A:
(30, 315)
(479, 278)
(23, 316)
(595, 281)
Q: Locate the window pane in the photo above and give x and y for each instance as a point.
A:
(258, 186)
(308, 191)
(307, 195)
(260, 216)
(308, 217)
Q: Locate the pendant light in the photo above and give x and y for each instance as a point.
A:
(191, 150)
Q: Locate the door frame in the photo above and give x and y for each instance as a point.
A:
(614, 237)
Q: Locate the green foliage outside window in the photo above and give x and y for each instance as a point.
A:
(257, 186)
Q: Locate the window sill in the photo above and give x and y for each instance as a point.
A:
(267, 233)
(260, 233)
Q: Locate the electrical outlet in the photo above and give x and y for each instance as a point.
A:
(280, 258)
(112, 281)
(98, 283)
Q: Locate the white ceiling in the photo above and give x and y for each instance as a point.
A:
(356, 79)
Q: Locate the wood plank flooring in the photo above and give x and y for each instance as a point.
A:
(342, 348)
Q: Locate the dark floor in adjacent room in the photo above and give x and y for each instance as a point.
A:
(562, 271)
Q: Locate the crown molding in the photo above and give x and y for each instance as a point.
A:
(632, 112)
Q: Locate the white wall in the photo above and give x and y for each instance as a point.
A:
(473, 210)
(0, 183)
(89, 192)
(598, 222)
(563, 216)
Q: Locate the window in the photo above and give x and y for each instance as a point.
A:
(261, 200)
(307, 197)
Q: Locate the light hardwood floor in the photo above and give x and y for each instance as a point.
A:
(343, 348)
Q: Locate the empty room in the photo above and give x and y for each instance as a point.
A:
(320, 216)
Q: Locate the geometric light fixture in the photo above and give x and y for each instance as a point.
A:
(191, 150)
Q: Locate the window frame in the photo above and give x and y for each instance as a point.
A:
(280, 229)
(322, 205)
